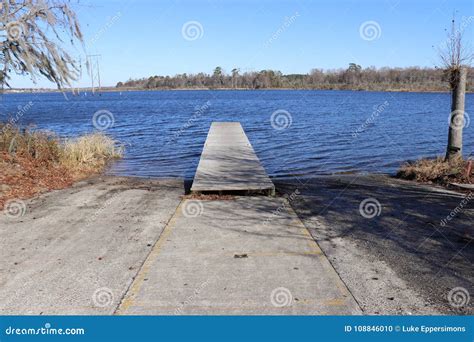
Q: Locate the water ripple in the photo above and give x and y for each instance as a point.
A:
(331, 131)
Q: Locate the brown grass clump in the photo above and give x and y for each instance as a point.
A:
(23, 143)
(32, 162)
(89, 154)
(437, 171)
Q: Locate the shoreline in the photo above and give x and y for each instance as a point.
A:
(115, 90)
(187, 182)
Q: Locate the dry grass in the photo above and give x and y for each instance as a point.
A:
(40, 146)
(89, 153)
(32, 162)
(436, 171)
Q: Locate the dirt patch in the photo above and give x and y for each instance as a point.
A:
(23, 178)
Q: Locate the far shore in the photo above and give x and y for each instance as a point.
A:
(114, 89)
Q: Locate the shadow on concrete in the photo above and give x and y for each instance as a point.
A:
(408, 233)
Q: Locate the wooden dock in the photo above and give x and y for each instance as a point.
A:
(229, 164)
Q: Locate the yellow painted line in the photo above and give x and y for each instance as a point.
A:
(335, 302)
(324, 260)
(314, 249)
(250, 305)
(279, 253)
(132, 293)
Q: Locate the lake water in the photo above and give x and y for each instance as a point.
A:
(312, 132)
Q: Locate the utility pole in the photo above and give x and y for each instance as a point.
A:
(94, 70)
(76, 92)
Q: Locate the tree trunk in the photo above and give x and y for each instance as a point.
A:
(456, 120)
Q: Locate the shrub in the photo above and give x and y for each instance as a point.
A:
(435, 170)
(89, 153)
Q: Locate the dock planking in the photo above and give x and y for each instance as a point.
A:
(229, 164)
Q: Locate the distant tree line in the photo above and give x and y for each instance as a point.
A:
(354, 77)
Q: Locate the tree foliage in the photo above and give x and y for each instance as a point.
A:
(354, 77)
(32, 36)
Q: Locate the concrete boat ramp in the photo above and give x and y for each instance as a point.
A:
(123, 246)
(236, 255)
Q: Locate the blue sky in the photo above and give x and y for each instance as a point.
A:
(140, 38)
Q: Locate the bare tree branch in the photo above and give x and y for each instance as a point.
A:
(32, 33)
(455, 53)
